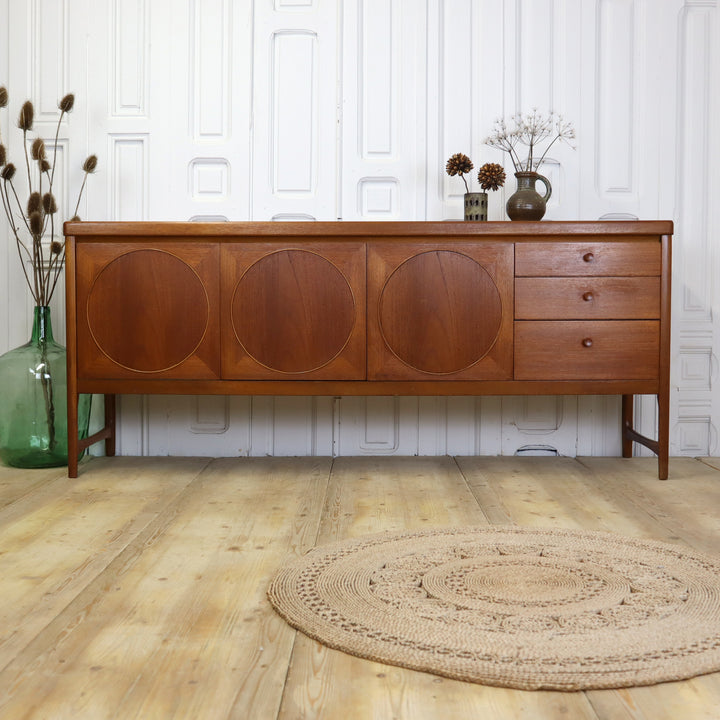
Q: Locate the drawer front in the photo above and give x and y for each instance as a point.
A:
(593, 298)
(566, 259)
(590, 350)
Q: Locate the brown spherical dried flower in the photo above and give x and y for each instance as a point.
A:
(3, 155)
(491, 176)
(56, 247)
(3, 97)
(458, 164)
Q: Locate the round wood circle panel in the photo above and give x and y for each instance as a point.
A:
(440, 312)
(163, 315)
(293, 311)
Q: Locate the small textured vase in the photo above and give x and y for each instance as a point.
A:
(476, 206)
(526, 203)
(33, 400)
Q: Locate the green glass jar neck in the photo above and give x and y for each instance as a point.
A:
(42, 325)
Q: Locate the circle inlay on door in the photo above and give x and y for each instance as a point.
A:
(163, 315)
(440, 312)
(293, 311)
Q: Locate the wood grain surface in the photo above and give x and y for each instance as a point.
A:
(138, 590)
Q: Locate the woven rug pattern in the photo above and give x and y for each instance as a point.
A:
(513, 607)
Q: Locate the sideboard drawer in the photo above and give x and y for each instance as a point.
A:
(590, 350)
(565, 259)
(592, 298)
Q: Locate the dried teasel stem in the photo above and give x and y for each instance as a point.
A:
(37, 215)
(89, 167)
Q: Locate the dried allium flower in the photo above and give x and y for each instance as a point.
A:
(38, 149)
(44, 166)
(491, 176)
(49, 204)
(56, 247)
(8, 172)
(36, 224)
(27, 114)
(66, 104)
(3, 155)
(3, 97)
(459, 164)
(90, 164)
(34, 203)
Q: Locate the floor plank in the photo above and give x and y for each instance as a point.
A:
(178, 625)
(138, 589)
(372, 495)
(61, 534)
(620, 496)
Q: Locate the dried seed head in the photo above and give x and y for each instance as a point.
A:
(49, 204)
(75, 218)
(56, 247)
(7, 172)
(90, 164)
(44, 165)
(3, 155)
(3, 97)
(27, 114)
(36, 223)
(458, 164)
(491, 176)
(38, 149)
(66, 104)
(34, 203)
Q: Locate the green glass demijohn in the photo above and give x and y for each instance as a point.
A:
(33, 401)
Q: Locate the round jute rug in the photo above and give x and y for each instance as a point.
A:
(510, 606)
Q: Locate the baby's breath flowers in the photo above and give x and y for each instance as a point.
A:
(30, 224)
(537, 132)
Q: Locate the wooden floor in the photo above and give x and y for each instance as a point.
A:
(138, 589)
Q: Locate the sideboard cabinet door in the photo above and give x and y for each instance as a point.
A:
(148, 310)
(440, 313)
(293, 313)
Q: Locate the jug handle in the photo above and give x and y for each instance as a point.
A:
(548, 187)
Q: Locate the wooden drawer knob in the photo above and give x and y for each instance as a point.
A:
(587, 342)
(588, 297)
(588, 257)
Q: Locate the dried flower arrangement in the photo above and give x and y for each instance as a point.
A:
(37, 217)
(534, 131)
(491, 176)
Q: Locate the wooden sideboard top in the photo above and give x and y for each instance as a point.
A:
(374, 229)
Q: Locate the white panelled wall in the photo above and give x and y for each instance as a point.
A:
(319, 110)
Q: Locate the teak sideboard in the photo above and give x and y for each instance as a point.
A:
(369, 308)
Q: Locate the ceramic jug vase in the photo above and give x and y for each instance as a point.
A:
(526, 203)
